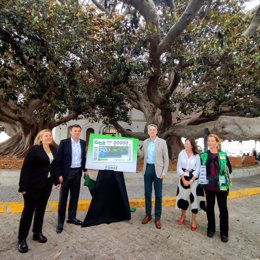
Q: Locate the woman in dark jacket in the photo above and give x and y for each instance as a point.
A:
(39, 172)
(218, 168)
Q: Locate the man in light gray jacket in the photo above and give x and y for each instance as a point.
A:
(156, 163)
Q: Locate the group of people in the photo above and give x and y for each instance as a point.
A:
(45, 165)
(190, 191)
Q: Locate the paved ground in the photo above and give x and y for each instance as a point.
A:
(134, 184)
(132, 240)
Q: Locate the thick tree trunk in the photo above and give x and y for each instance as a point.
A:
(175, 145)
(255, 23)
(14, 146)
(10, 129)
(227, 127)
(19, 143)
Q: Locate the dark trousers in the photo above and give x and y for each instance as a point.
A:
(70, 184)
(223, 211)
(35, 201)
(150, 178)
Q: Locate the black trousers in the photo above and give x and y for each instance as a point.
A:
(223, 211)
(35, 202)
(70, 185)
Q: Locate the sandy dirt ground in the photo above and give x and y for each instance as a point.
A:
(132, 240)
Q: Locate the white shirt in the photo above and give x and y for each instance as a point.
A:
(50, 155)
(188, 163)
(76, 154)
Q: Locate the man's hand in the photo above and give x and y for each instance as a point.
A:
(58, 186)
(23, 192)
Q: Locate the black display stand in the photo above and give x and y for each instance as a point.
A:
(110, 201)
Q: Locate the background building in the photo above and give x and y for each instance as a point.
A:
(88, 127)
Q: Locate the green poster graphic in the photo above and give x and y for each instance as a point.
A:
(112, 153)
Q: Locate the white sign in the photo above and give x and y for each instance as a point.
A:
(112, 153)
(203, 175)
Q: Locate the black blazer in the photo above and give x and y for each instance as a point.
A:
(65, 156)
(36, 167)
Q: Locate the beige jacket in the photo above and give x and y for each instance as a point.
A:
(161, 157)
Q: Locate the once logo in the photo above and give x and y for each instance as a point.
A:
(99, 142)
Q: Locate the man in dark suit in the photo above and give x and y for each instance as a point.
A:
(72, 158)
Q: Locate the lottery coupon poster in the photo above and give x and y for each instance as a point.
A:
(112, 153)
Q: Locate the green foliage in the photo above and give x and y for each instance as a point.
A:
(46, 49)
(218, 67)
(73, 58)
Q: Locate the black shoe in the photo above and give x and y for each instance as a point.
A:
(39, 237)
(224, 238)
(59, 228)
(22, 246)
(210, 233)
(74, 221)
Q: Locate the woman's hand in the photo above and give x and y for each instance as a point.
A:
(58, 186)
(191, 181)
(61, 179)
(186, 183)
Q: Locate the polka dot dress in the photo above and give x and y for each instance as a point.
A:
(191, 195)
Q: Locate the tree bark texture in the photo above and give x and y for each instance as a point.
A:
(254, 25)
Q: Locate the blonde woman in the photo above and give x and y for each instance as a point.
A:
(38, 173)
(216, 163)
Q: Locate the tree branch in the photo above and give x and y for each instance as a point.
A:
(147, 9)
(186, 18)
(174, 81)
(100, 6)
(205, 11)
(8, 114)
(11, 129)
(113, 9)
(127, 133)
(141, 101)
(255, 23)
(65, 119)
(7, 119)
(227, 127)
(190, 119)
